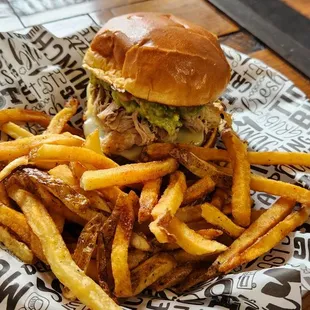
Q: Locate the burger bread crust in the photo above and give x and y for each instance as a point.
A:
(159, 58)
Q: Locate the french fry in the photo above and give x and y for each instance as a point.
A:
(119, 254)
(15, 131)
(198, 190)
(192, 242)
(255, 214)
(150, 271)
(210, 233)
(64, 173)
(63, 153)
(92, 142)
(276, 158)
(215, 217)
(59, 121)
(4, 198)
(227, 209)
(211, 140)
(241, 199)
(9, 168)
(10, 150)
(156, 151)
(219, 197)
(136, 257)
(167, 206)
(280, 188)
(19, 249)
(274, 235)
(148, 199)
(58, 219)
(85, 247)
(139, 241)
(58, 256)
(183, 257)
(127, 174)
(201, 168)
(172, 278)
(189, 214)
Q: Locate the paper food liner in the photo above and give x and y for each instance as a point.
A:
(39, 71)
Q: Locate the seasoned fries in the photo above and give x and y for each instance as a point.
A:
(162, 234)
(127, 174)
(241, 200)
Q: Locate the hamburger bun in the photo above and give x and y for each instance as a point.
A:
(159, 58)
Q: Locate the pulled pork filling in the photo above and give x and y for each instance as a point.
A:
(128, 121)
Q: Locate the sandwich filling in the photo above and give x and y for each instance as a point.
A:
(126, 121)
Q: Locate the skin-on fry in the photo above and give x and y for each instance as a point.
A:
(167, 206)
(219, 197)
(63, 153)
(150, 271)
(198, 190)
(139, 241)
(172, 278)
(92, 142)
(9, 168)
(19, 249)
(183, 257)
(192, 242)
(10, 150)
(15, 131)
(212, 139)
(279, 188)
(274, 235)
(201, 168)
(59, 121)
(58, 256)
(64, 173)
(189, 214)
(156, 151)
(241, 199)
(85, 247)
(136, 257)
(215, 217)
(119, 254)
(148, 199)
(127, 174)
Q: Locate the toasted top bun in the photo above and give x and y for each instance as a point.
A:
(160, 58)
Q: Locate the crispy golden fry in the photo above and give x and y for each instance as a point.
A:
(64, 173)
(192, 242)
(215, 217)
(4, 198)
(182, 257)
(211, 140)
(255, 214)
(189, 214)
(148, 199)
(63, 153)
(10, 150)
(58, 256)
(219, 198)
(274, 235)
(92, 142)
(15, 131)
(139, 241)
(172, 278)
(127, 174)
(85, 247)
(119, 255)
(280, 188)
(136, 257)
(210, 233)
(9, 168)
(241, 199)
(96, 201)
(276, 158)
(167, 206)
(198, 190)
(58, 219)
(59, 121)
(19, 249)
(201, 168)
(265, 222)
(156, 151)
(227, 209)
(150, 271)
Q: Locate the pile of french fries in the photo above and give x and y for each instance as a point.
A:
(180, 216)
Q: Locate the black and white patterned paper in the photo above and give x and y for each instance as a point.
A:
(40, 71)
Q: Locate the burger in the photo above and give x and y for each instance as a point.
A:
(153, 78)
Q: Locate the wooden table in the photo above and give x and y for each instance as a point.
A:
(61, 16)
